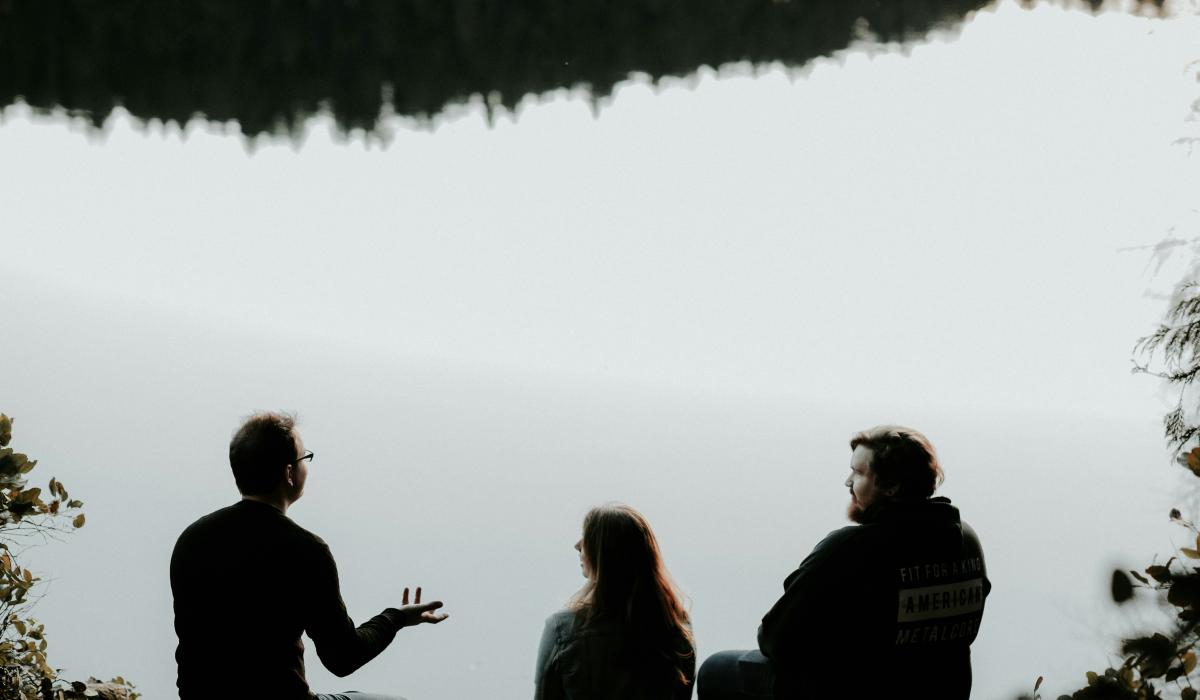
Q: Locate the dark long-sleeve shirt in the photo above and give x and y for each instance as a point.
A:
(888, 608)
(247, 582)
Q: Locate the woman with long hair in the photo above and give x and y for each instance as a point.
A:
(625, 635)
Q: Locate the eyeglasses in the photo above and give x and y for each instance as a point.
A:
(307, 455)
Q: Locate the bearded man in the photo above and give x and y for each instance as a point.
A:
(887, 607)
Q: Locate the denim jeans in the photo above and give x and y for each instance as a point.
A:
(735, 675)
(355, 695)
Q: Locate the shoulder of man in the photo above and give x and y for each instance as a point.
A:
(971, 541)
(205, 523)
(838, 546)
(304, 534)
(848, 537)
(308, 542)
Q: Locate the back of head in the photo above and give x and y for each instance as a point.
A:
(630, 586)
(260, 450)
(903, 458)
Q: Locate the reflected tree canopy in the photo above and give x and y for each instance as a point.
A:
(271, 65)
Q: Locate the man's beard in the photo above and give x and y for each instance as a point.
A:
(854, 511)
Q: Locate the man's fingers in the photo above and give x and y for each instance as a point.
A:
(432, 605)
(418, 599)
(404, 599)
(433, 618)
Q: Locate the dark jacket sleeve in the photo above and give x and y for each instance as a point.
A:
(547, 683)
(807, 594)
(973, 548)
(342, 647)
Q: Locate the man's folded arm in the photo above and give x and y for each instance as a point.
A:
(800, 611)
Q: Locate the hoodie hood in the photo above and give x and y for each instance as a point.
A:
(931, 510)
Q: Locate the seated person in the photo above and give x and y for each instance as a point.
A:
(248, 581)
(625, 634)
(886, 608)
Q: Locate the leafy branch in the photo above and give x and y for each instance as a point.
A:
(27, 512)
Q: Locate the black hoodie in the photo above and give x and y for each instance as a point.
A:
(887, 608)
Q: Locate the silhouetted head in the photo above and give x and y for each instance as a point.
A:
(890, 462)
(266, 455)
(629, 585)
(618, 547)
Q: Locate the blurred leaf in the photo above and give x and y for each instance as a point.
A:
(1155, 654)
(1189, 662)
(1190, 553)
(8, 465)
(1193, 460)
(1122, 589)
(5, 430)
(1187, 694)
(79, 520)
(1175, 514)
(1038, 683)
(1159, 573)
(1185, 592)
(19, 509)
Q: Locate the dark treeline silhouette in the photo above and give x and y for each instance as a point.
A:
(271, 65)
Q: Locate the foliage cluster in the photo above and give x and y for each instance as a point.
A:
(1162, 663)
(29, 515)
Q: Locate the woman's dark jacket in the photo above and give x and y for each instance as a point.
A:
(597, 661)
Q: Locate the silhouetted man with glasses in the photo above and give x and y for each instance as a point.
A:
(248, 581)
(886, 608)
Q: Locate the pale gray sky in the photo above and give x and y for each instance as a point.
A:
(489, 329)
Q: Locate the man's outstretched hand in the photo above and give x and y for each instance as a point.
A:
(420, 612)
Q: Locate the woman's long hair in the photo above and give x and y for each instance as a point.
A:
(630, 586)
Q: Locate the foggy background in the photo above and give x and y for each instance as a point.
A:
(687, 302)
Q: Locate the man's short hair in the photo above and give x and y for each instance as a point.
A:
(901, 457)
(260, 450)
